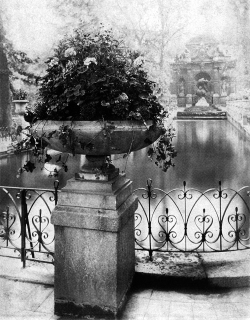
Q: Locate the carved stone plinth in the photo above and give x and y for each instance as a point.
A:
(94, 247)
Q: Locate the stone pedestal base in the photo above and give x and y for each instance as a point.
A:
(94, 247)
(202, 102)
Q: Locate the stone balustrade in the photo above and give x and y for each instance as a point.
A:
(238, 112)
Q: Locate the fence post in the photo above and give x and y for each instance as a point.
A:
(23, 226)
(150, 195)
(56, 186)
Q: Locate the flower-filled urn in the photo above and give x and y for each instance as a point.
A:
(20, 102)
(96, 99)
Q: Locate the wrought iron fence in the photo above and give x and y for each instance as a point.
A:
(190, 220)
(184, 219)
(25, 229)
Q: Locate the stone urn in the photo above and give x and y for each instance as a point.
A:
(20, 106)
(19, 111)
(97, 140)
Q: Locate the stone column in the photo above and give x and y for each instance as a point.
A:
(232, 85)
(188, 100)
(189, 81)
(216, 80)
(94, 247)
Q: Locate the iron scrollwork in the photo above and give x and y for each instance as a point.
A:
(25, 226)
(190, 220)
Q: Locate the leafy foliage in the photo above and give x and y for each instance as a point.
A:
(164, 152)
(94, 77)
(20, 66)
(37, 153)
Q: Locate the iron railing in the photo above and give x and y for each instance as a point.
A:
(190, 220)
(184, 219)
(25, 228)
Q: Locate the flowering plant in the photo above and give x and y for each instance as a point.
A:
(94, 77)
(20, 95)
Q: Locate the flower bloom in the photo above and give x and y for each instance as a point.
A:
(69, 52)
(88, 61)
(138, 61)
(53, 62)
(123, 97)
(105, 104)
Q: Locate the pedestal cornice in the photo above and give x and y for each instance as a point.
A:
(95, 219)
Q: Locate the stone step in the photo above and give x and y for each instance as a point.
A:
(216, 269)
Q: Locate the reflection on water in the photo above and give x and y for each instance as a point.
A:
(39, 178)
(208, 151)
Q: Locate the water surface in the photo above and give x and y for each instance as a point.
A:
(208, 151)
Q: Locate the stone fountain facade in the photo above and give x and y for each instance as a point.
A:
(204, 69)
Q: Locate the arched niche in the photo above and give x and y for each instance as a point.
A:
(203, 75)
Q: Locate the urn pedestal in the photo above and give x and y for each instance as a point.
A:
(94, 247)
(94, 218)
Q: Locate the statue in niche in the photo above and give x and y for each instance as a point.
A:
(181, 89)
(202, 93)
(224, 88)
(187, 55)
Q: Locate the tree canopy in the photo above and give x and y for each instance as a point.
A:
(159, 29)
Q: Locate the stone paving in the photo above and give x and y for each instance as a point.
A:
(28, 293)
(23, 300)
